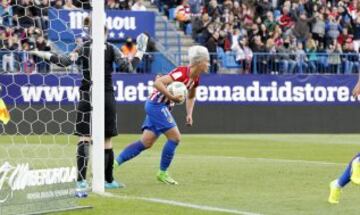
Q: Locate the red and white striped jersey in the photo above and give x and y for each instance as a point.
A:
(181, 74)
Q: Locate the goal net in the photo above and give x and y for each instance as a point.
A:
(38, 105)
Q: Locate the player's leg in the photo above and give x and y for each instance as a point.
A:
(146, 141)
(110, 183)
(355, 166)
(173, 139)
(110, 131)
(351, 173)
(148, 138)
(82, 159)
(82, 129)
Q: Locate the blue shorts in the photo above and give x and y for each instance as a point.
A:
(158, 118)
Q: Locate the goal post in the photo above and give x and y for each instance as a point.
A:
(98, 94)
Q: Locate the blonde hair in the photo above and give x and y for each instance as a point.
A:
(197, 54)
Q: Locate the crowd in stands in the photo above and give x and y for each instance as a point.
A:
(296, 35)
(24, 26)
(263, 36)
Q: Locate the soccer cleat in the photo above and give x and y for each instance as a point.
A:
(355, 175)
(81, 189)
(164, 177)
(114, 185)
(116, 163)
(141, 42)
(83, 185)
(335, 193)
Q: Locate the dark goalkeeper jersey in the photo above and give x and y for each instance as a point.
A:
(112, 55)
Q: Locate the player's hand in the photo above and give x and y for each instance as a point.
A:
(73, 56)
(189, 120)
(177, 99)
(356, 90)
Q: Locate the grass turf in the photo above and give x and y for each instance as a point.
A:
(265, 174)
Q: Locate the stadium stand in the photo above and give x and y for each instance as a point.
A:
(297, 36)
(244, 36)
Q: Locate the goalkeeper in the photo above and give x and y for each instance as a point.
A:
(81, 56)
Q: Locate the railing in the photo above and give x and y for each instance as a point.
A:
(168, 27)
(260, 63)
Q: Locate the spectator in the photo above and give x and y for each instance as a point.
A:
(129, 49)
(124, 4)
(58, 4)
(5, 14)
(182, 14)
(257, 46)
(138, 6)
(301, 58)
(211, 45)
(42, 45)
(200, 28)
(285, 20)
(8, 59)
(112, 4)
(287, 62)
(318, 29)
(301, 28)
(311, 49)
(350, 58)
(334, 50)
(69, 5)
(333, 29)
(244, 55)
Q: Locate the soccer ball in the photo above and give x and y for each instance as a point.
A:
(178, 89)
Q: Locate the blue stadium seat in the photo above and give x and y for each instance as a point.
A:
(220, 55)
(172, 13)
(188, 29)
(229, 61)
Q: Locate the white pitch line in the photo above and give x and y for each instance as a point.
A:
(257, 159)
(180, 204)
(270, 159)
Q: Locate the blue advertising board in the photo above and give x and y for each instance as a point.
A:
(215, 89)
(67, 25)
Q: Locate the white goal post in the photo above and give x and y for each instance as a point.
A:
(98, 94)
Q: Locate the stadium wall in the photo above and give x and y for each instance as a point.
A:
(254, 119)
(225, 103)
(207, 119)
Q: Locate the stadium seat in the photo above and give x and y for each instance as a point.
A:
(172, 13)
(229, 61)
(188, 29)
(220, 55)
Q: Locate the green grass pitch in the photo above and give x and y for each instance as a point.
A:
(243, 174)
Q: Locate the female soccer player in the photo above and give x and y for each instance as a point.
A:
(352, 171)
(159, 120)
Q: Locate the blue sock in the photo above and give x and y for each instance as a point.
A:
(345, 177)
(130, 152)
(167, 154)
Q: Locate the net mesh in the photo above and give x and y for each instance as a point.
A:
(37, 145)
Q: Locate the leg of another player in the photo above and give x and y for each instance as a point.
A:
(351, 173)
(110, 183)
(147, 140)
(82, 158)
(173, 139)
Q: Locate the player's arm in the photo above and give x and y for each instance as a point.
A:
(59, 59)
(190, 103)
(161, 83)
